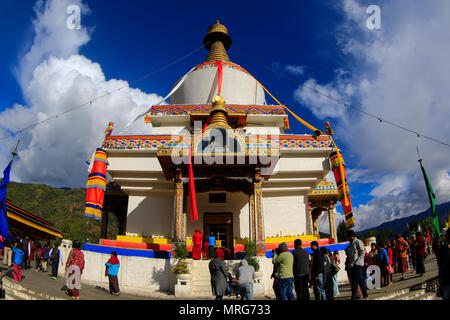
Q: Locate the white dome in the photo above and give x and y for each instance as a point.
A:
(238, 87)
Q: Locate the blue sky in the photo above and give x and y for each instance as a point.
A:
(327, 42)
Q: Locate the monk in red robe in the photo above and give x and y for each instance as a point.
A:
(197, 245)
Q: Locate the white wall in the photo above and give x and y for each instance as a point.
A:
(284, 215)
(151, 214)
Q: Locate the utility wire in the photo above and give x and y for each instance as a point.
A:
(99, 97)
(418, 134)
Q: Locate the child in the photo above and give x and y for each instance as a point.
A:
(112, 269)
(18, 260)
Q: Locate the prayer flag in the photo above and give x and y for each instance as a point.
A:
(338, 167)
(4, 230)
(96, 185)
(431, 197)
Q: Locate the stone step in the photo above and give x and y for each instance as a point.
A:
(201, 281)
(201, 293)
(412, 295)
(392, 295)
(201, 277)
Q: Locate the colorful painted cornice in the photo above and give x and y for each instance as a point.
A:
(155, 142)
(187, 109)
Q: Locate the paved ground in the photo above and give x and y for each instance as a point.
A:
(39, 281)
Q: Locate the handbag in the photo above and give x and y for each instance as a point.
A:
(335, 268)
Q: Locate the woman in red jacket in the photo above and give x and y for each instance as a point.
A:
(74, 270)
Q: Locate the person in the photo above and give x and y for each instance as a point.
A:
(205, 247)
(349, 272)
(74, 269)
(301, 271)
(245, 275)
(327, 274)
(38, 255)
(17, 262)
(274, 276)
(420, 250)
(30, 256)
(112, 270)
(335, 260)
(356, 263)
(401, 247)
(383, 262)
(366, 265)
(45, 255)
(391, 261)
(372, 259)
(197, 245)
(7, 254)
(317, 272)
(55, 258)
(219, 274)
(212, 244)
(443, 260)
(25, 249)
(412, 247)
(285, 262)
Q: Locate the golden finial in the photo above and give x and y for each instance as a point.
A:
(218, 113)
(217, 41)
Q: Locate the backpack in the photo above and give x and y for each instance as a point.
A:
(46, 251)
(38, 254)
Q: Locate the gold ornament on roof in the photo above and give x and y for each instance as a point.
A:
(217, 41)
(218, 114)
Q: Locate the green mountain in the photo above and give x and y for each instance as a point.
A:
(64, 207)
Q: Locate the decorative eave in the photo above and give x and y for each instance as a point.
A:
(324, 191)
(154, 142)
(26, 218)
(231, 108)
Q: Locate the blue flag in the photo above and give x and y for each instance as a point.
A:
(3, 217)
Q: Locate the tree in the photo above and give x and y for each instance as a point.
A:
(341, 231)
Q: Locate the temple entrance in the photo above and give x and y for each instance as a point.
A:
(221, 225)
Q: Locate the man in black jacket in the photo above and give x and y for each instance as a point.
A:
(301, 271)
(317, 272)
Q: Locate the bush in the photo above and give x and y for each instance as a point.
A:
(181, 251)
(181, 267)
(253, 262)
(250, 251)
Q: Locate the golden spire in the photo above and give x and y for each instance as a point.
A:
(218, 114)
(217, 41)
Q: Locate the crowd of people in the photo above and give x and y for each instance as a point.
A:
(298, 270)
(24, 253)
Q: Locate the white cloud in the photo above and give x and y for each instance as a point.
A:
(295, 70)
(54, 77)
(400, 73)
